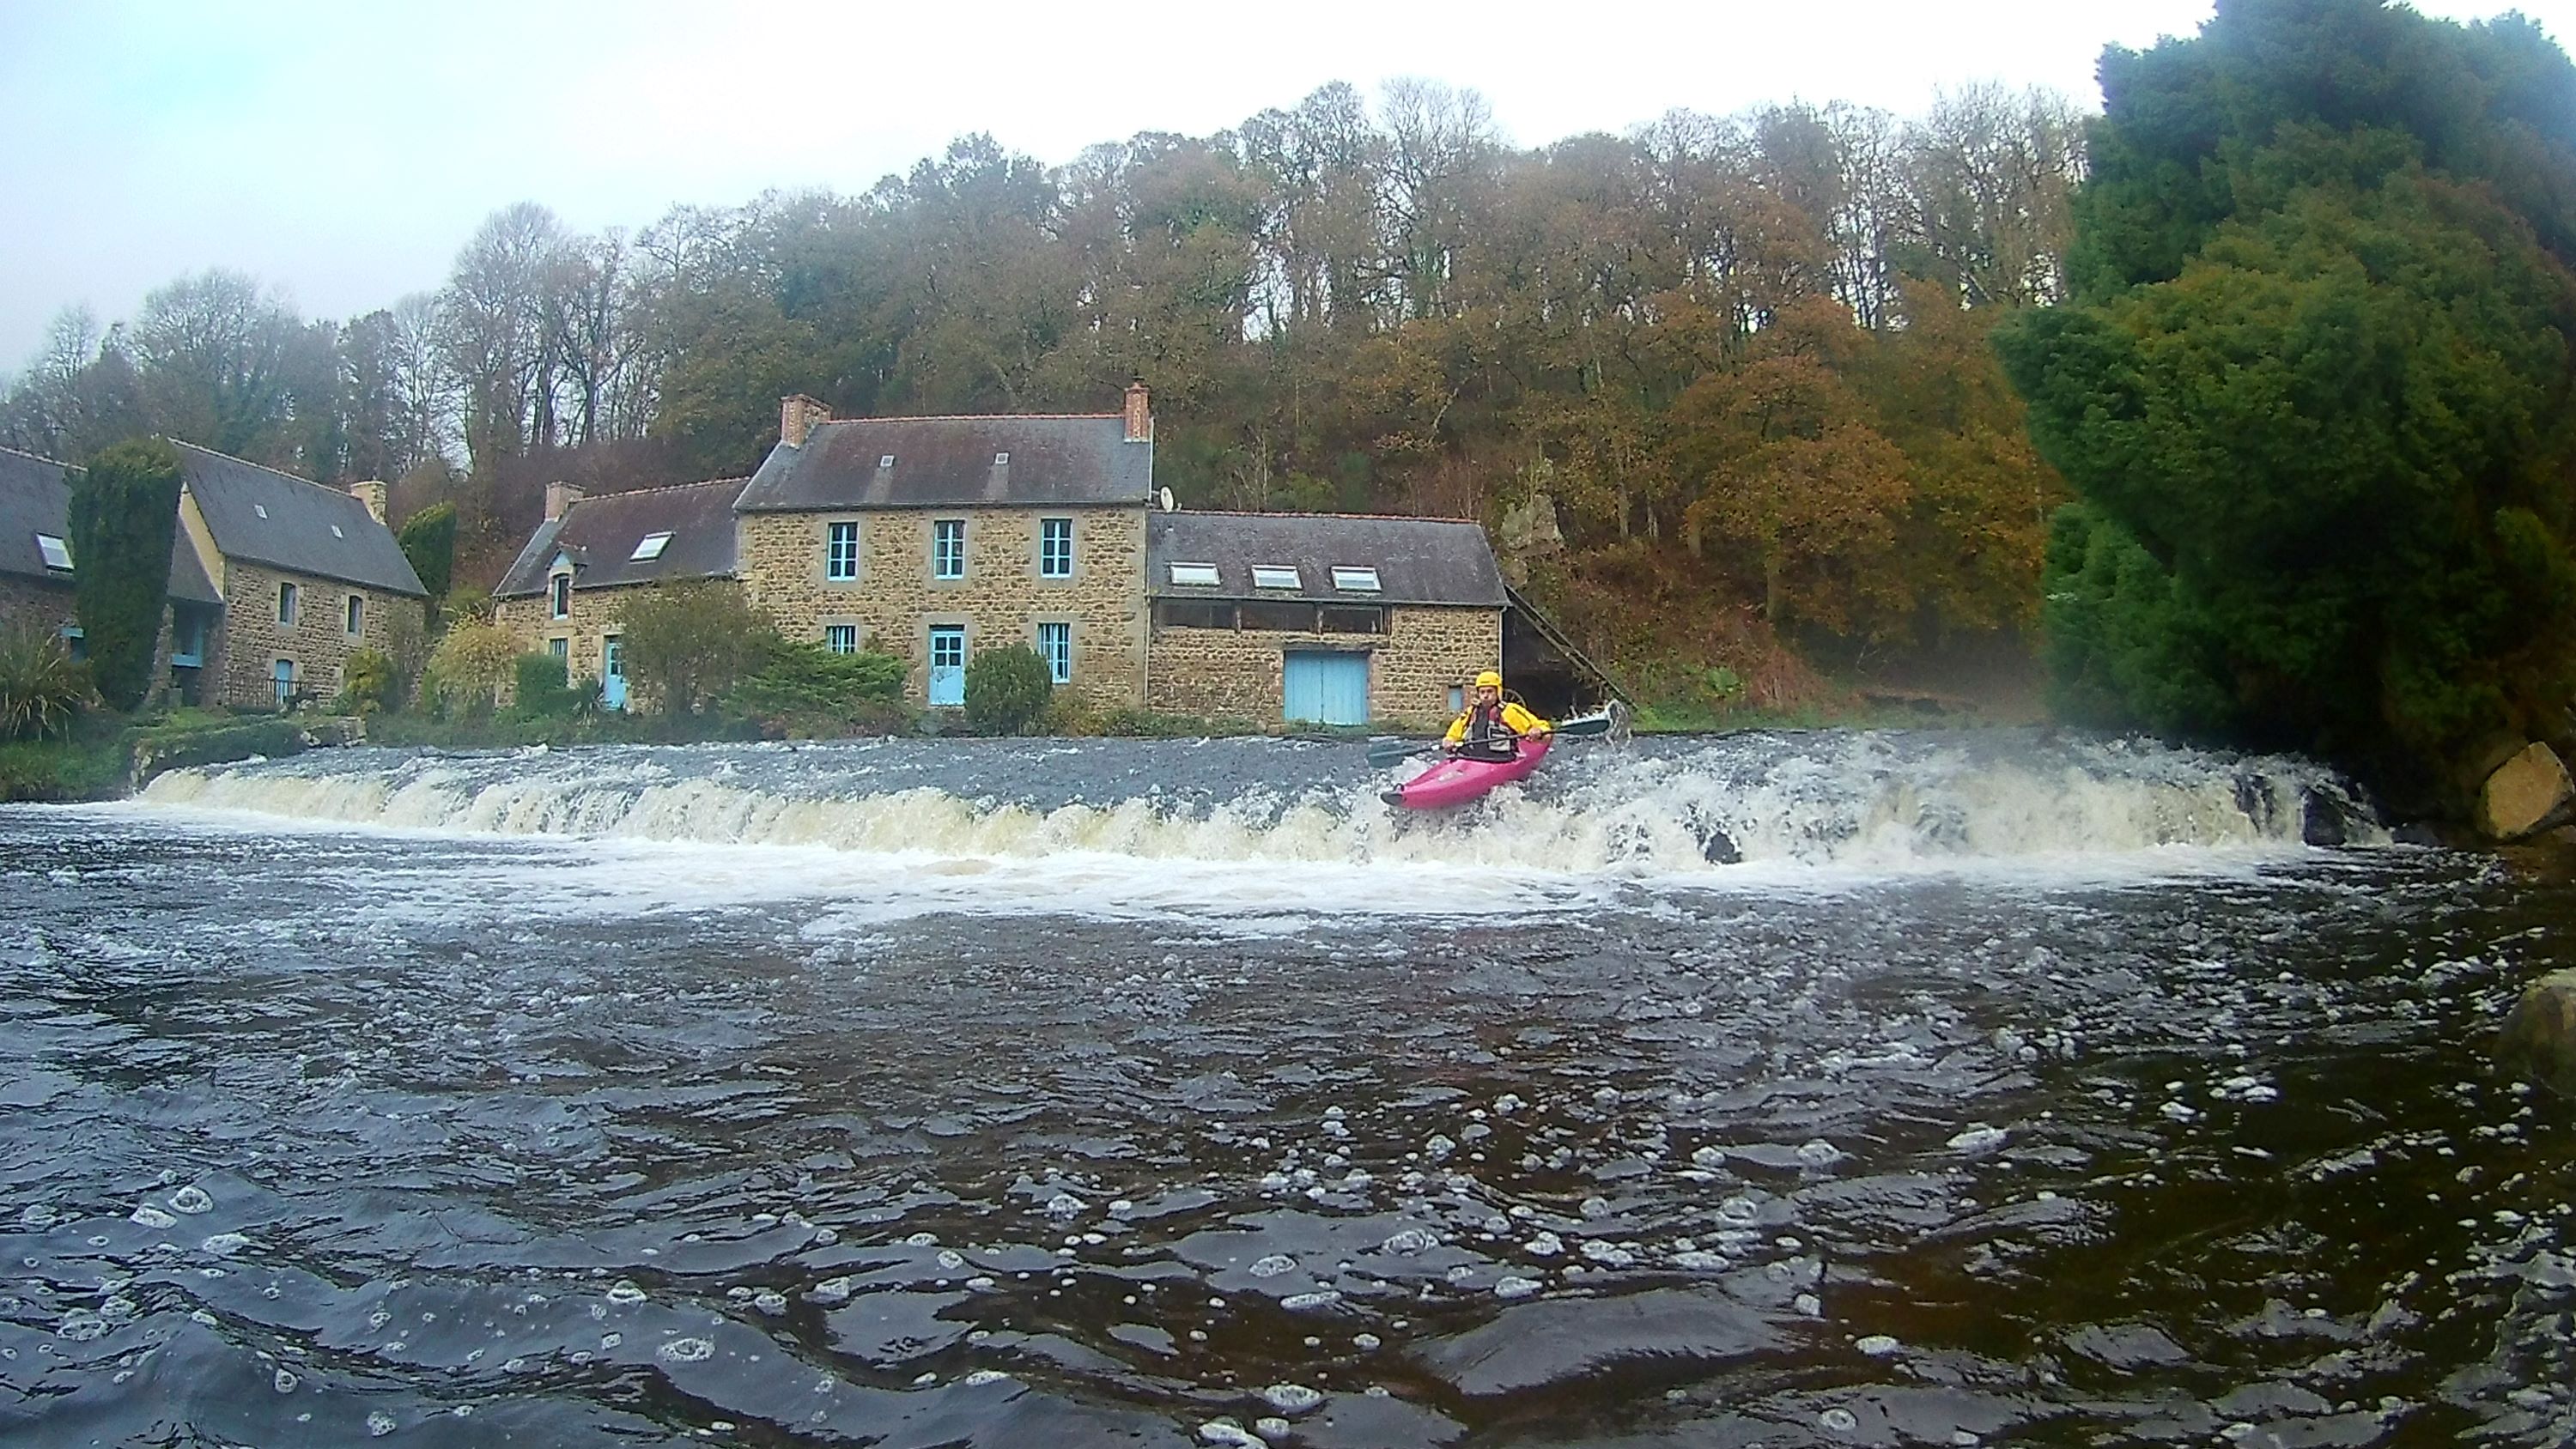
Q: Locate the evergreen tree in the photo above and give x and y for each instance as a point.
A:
(428, 539)
(2312, 387)
(124, 509)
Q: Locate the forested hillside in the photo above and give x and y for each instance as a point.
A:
(1717, 381)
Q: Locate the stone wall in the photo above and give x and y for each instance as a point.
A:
(594, 618)
(27, 604)
(1241, 674)
(248, 640)
(1001, 600)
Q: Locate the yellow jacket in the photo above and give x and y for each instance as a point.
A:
(1516, 719)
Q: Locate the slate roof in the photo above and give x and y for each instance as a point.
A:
(259, 515)
(601, 532)
(35, 498)
(1057, 461)
(1418, 560)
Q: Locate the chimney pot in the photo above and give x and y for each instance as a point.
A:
(371, 493)
(798, 415)
(1140, 413)
(560, 497)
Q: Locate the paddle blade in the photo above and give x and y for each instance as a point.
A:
(1389, 752)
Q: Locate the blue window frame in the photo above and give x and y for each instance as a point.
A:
(1055, 548)
(841, 552)
(948, 548)
(841, 638)
(282, 675)
(1055, 646)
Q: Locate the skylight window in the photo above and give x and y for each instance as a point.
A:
(260, 508)
(885, 460)
(650, 546)
(58, 554)
(1194, 574)
(1275, 576)
(1001, 460)
(336, 533)
(1357, 581)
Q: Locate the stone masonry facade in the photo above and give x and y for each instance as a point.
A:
(1001, 600)
(593, 618)
(250, 639)
(1241, 674)
(27, 604)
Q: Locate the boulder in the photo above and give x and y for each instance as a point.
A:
(2527, 794)
(2539, 1036)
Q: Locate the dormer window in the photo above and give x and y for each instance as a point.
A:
(1199, 575)
(1357, 581)
(650, 546)
(1275, 576)
(58, 554)
(559, 596)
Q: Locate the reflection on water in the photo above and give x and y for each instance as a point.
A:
(1941, 1127)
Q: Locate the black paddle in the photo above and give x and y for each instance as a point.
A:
(1601, 722)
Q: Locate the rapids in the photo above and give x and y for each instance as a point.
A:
(1792, 1089)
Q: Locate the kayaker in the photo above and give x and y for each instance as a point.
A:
(1491, 726)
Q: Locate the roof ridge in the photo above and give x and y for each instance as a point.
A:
(263, 467)
(1283, 513)
(32, 457)
(656, 488)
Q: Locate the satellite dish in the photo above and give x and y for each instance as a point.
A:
(1163, 496)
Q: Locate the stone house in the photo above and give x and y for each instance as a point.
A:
(300, 576)
(566, 592)
(35, 545)
(933, 539)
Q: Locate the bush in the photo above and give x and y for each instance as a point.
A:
(693, 640)
(124, 509)
(807, 689)
(1006, 689)
(370, 684)
(428, 540)
(42, 688)
(544, 689)
(468, 668)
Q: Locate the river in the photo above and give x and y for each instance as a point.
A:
(1786, 1089)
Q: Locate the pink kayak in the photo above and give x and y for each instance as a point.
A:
(1456, 781)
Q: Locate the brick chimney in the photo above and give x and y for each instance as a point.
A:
(371, 493)
(797, 416)
(560, 497)
(1140, 413)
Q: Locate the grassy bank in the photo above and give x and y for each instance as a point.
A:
(104, 755)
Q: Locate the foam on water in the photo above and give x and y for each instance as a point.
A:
(1256, 829)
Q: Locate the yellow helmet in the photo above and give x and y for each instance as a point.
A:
(1489, 679)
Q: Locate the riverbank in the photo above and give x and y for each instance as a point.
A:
(105, 757)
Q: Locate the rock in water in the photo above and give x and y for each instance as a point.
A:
(2527, 794)
(2539, 1035)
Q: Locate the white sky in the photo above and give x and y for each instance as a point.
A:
(342, 151)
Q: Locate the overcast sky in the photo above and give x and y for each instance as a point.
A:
(342, 152)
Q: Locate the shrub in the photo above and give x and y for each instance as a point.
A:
(370, 683)
(693, 640)
(805, 688)
(1006, 689)
(544, 689)
(42, 688)
(468, 668)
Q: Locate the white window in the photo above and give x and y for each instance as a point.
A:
(1055, 548)
(1275, 576)
(841, 552)
(559, 596)
(649, 546)
(1001, 460)
(948, 548)
(288, 596)
(262, 510)
(841, 638)
(336, 533)
(560, 647)
(355, 623)
(1194, 574)
(1357, 581)
(886, 461)
(1055, 646)
(58, 554)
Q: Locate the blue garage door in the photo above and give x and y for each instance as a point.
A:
(1327, 688)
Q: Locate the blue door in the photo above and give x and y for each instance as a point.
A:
(612, 673)
(1327, 688)
(947, 666)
